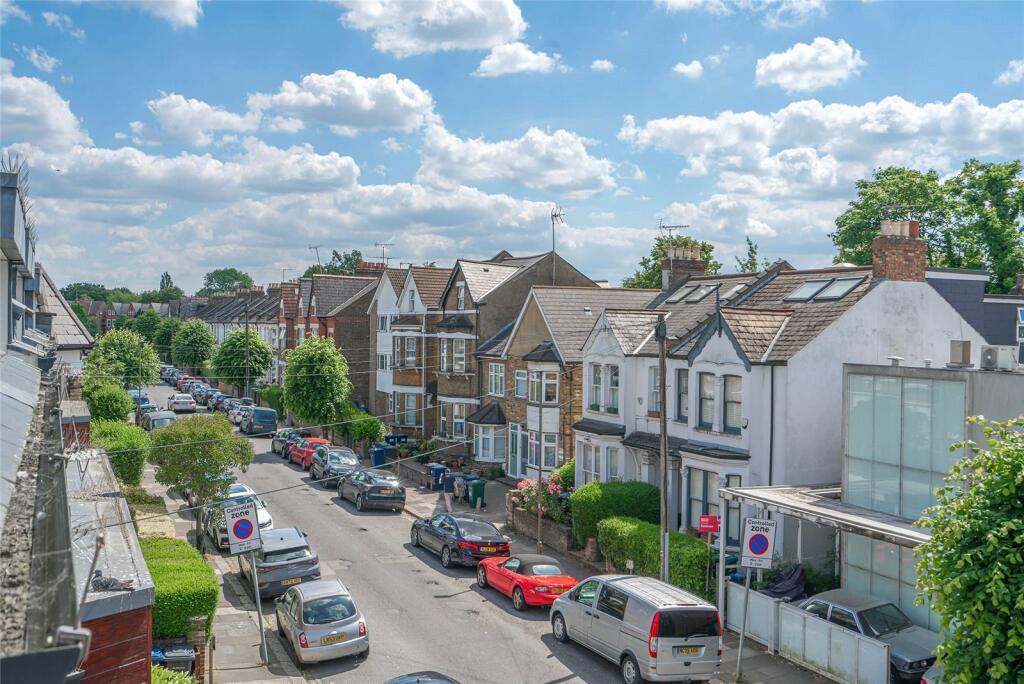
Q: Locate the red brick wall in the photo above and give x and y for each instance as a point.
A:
(896, 257)
(120, 648)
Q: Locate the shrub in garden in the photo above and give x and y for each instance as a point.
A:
(110, 402)
(161, 675)
(567, 474)
(185, 586)
(130, 440)
(551, 502)
(623, 539)
(595, 501)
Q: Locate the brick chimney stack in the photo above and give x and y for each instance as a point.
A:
(899, 253)
(1019, 287)
(679, 263)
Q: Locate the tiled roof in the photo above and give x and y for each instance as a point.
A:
(488, 414)
(599, 427)
(396, 276)
(571, 312)
(362, 298)
(755, 329)
(65, 328)
(495, 345)
(305, 288)
(545, 351)
(631, 328)
(651, 441)
(483, 276)
(430, 283)
(408, 320)
(331, 291)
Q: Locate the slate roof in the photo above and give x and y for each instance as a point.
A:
(571, 312)
(430, 283)
(305, 288)
(489, 414)
(65, 328)
(545, 351)
(359, 299)
(599, 427)
(331, 291)
(483, 276)
(755, 329)
(631, 328)
(650, 441)
(456, 322)
(495, 345)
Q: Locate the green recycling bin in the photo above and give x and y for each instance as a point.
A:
(475, 493)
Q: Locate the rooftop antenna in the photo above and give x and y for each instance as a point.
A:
(383, 246)
(557, 216)
(670, 248)
(283, 271)
(900, 212)
(316, 250)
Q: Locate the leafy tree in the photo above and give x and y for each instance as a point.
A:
(88, 321)
(121, 294)
(749, 263)
(316, 383)
(122, 322)
(76, 291)
(129, 443)
(165, 281)
(273, 394)
(229, 359)
(163, 295)
(224, 280)
(110, 402)
(164, 336)
(341, 263)
(361, 426)
(99, 372)
(146, 324)
(649, 272)
(197, 454)
(973, 566)
(192, 345)
(131, 359)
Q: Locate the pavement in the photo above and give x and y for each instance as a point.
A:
(420, 616)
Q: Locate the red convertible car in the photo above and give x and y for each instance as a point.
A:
(530, 580)
(302, 451)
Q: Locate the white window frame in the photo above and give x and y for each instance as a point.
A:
(591, 466)
(653, 389)
(613, 472)
(444, 355)
(410, 346)
(406, 411)
(596, 401)
(726, 402)
(496, 379)
(521, 377)
(459, 356)
(611, 404)
(412, 300)
(460, 294)
(550, 380)
(391, 405)
(682, 395)
(535, 386)
(533, 451)
(442, 418)
(459, 420)
(382, 362)
(549, 447)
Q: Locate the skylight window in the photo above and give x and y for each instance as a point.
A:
(701, 293)
(839, 288)
(807, 290)
(680, 294)
(735, 289)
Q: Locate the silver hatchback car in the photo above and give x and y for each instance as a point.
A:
(320, 621)
(653, 631)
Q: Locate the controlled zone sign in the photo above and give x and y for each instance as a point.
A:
(243, 528)
(758, 543)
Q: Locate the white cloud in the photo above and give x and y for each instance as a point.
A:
(1014, 73)
(514, 58)
(283, 124)
(602, 215)
(349, 103)
(773, 13)
(412, 27)
(693, 70)
(9, 9)
(39, 58)
(602, 65)
(630, 171)
(805, 67)
(63, 23)
(719, 57)
(178, 13)
(392, 145)
(189, 122)
(556, 162)
(34, 111)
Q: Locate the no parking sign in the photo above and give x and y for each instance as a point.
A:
(758, 543)
(243, 528)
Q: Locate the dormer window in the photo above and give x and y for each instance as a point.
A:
(412, 300)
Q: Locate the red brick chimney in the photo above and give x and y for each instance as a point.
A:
(899, 253)
(679, 263)
(1019, 287)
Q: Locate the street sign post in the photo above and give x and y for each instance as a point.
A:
(244, 537)
(756, 552)
(708, 523)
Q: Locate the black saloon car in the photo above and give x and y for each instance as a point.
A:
(372, 489)
(329, 465)
(282, 437)
(459, 539)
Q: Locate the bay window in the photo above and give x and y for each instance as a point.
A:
(461, 297)
(591, 464)
(733, 405)
(534, 450)
(520, 384)
(410, 352)
(682, 394)
(613, 390)
(489, 442)
(382, 362)
(459, 356)
(653, 389)
(442, 419)
(706, 410)
(595, 387)
(613, 464)
(550, 444)
(702, 499)
(412, 300)
(496, 379)
(550, 387)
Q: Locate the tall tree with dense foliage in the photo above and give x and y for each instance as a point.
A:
(165, 281)
(76, 291)
(973, 566)
(341, 263)
(110, 403)
(146, 324)
(224, 280)
(197, 454)
(192, 345)
(163, 295)
(974, 219)
(131, 360)
(649, 273)
(164, 337)
(88, 321)
(749, 263)
(229, 360)
(316, 384)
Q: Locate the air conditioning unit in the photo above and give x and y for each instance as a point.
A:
(997, 357)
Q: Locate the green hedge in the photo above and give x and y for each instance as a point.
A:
(623, 539)
(161, 675)
(596, 501)
(567, 474)
(114, 435)
(110, 402)
(186, 586)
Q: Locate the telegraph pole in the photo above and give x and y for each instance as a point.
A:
(661, 333)
(556, 217)
(245, 392)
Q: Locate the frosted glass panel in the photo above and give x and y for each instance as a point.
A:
(885, 559)
(883, 587)
(948, 412)
(917, 423)
(858, 550)
(858, 580)
(860, 389)
(885, 494)
(858, 482)
(917, 492)
(887, 420)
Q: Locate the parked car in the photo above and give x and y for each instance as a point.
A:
(459, 539)
(259, 421)
(238, 493)
(238, 414)
(211, 397)
(180, 382)
(283, 436)
(218, 401)
(246, 401)
(529, 579)
(143, 409)
(198, 391)
(284, 561)
(154, 420)
(138, 395)
(181, 402)
(320, 621)
(329, 464)
(652, 630)
(932, 675)
(911, 648)
(425, 677)
(372, 489)
(228, 406)
(190, 498)
(302, 451)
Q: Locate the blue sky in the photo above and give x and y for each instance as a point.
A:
(186, 136)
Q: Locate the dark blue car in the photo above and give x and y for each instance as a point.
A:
(259, 421)
(459, 539)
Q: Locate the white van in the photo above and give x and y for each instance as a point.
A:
(654, 631)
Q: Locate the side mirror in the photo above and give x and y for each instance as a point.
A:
(304, 534)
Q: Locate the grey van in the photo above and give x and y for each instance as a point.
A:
(654, 631)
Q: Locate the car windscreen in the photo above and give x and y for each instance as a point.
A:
(341, 458)
(542, 570)
(884, 619)
(686, 624)
(282, 555)
(321, 611)
(264, 414)
(474, 528)
(160, 422)
(386, 480)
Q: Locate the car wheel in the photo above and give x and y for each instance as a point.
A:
(558, 628)
(359, 502)
(414, 537)
(518, 599)
(312, 474)
(446, 557)
(481, 576)
(630, 671)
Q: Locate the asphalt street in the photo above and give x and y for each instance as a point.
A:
(420, 616)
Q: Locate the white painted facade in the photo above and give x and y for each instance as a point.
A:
(386, 301)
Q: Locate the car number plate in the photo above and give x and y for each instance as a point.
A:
(687, 650)
(488, 549)
(385, 491)
(558, 590)
(333, 638)
(289, 582)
